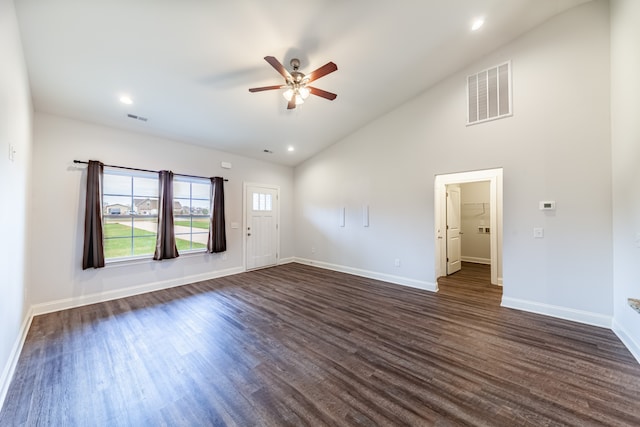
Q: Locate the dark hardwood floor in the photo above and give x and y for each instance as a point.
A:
(471, 284)
(296, 345)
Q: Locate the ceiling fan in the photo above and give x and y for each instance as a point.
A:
(297, 83)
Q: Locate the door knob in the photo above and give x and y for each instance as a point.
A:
(248, 234)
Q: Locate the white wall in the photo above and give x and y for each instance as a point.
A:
(475, 211)
(15, 130)
(556, 146)
(625, 138)
(58, 210)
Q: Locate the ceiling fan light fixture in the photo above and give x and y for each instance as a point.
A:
(288, 94)
(304, 92)
(299, 100)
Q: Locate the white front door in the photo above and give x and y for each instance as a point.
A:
(454, 247)
(261, 226)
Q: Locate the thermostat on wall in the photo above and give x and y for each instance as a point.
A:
(549, 205)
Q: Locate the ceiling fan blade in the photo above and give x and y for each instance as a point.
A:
(327, 68)
(278, 66)
(260, 89)
(322, 93)
(292, 103)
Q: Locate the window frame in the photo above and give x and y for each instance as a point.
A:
(131, 215)
(180, 179)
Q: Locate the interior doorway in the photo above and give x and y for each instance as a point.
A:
(446, 207)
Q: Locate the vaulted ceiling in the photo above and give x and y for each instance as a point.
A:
(188, 64)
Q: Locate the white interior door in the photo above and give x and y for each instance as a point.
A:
(261, 226)
(454, 246)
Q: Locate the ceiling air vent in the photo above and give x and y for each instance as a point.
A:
(133, 116)
(489, 94)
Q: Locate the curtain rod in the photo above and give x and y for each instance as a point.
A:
(145, 170)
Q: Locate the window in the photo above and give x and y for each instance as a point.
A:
(130, 212)
(262, 202)
(191, 216)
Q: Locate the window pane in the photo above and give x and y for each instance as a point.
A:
(262, 201)
(181, 189)
(116, 184)
(200, 207)
(268, 203)
(200, 224)
(256, 201)
(117, 248)
(181, 206)
(117, 227)
(144, 245)
(145, 206)
(191, 213)
(201, 190)
(145, 187)
(116, 205)
(145, 226)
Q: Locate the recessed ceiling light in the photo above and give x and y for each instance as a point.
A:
(290, 148)
(477, 23)
(126, 100)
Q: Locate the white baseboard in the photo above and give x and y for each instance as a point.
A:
(580, 316)
(398, 280)
(288, 260)
(626, 339)
(63, 304)
(476, 260)
(12, 363)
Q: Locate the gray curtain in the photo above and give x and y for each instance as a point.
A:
(166, 241)
(217, 241)
(93, 253)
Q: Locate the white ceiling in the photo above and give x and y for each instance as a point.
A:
(187, 64)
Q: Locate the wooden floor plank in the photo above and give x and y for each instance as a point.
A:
(297, 345)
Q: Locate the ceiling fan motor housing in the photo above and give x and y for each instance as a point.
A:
(295, 74)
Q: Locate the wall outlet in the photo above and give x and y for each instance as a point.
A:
(12, 152)
(397, 262)
(538, 232)
(224, 256)
(313, 249)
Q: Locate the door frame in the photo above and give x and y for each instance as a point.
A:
(245, 208)
(494, 176)
(449, 189)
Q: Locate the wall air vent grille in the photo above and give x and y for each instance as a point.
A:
(133, 116)
(489, 94)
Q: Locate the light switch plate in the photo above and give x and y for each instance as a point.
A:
(538, 232)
